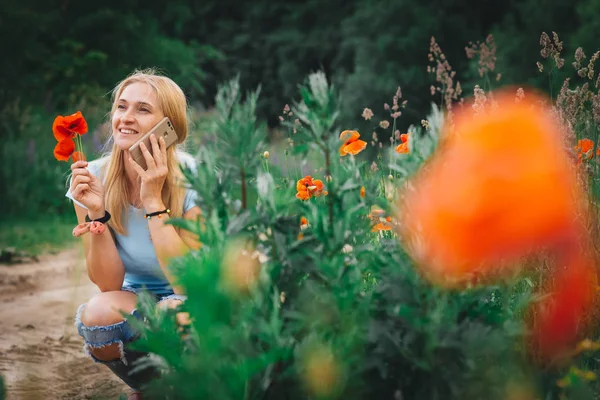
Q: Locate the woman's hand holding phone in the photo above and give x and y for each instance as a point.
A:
(153, 178)
(87, 189)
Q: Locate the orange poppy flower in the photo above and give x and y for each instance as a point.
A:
(512, 196)
(363, 192)
(380, 223)
(585, 150)
(385, 225)
(64, 149)
(69, 126)
(351, 143)
(307, 188)
(303, 226)
(402, 148)
(584, 145)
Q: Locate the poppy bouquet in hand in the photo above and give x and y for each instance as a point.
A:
(67, 131)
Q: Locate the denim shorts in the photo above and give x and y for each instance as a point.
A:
(100, 336)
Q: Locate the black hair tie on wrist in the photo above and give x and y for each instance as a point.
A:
(158, 213)
(102, 220)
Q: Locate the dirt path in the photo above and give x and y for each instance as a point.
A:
(41, 353)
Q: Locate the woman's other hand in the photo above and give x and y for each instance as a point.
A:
(87, 188)
(153, 178)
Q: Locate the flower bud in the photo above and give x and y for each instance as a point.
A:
(266, 155)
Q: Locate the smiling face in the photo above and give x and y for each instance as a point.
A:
(136, 111)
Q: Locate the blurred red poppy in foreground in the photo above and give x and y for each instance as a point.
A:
(557, 318)
(500, 187)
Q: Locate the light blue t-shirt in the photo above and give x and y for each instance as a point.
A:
(142, 269)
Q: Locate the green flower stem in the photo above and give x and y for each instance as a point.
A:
(243, 176)
(79, 144)
(330, 199)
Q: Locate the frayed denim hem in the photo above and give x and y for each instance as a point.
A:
(158, 298)
(97, 337)
(180, 297)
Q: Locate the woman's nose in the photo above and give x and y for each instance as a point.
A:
(127, 116)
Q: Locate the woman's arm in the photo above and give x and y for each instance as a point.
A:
(104, 266)
(169, 244)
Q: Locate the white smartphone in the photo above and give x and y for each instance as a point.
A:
(164, 129)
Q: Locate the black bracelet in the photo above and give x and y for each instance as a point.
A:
(102, 220)
(154, 214)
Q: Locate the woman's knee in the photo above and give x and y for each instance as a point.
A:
(109, 352)
(103, 341)
(105, 308)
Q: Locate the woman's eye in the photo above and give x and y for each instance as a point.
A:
(144, 110)
(121, 107)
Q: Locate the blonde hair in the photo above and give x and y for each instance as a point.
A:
(172, 102)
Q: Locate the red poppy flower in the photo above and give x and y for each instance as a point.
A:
(351, 143)
(64, 149)
(559, 316)
(307, 188)
(69, 126)
(485, 202)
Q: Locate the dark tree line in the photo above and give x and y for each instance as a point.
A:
(58, 52)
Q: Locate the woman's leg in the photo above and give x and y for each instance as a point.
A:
(174, 301)
(105, 331)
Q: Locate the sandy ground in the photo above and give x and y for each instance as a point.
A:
(41, 354)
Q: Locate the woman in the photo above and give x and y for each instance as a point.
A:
(134, 203)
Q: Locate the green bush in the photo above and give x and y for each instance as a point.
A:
(331, 309)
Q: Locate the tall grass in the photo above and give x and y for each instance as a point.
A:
(33, 236)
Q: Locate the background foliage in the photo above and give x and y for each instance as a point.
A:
(335, 301)
(66, 55)
(333, 308)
